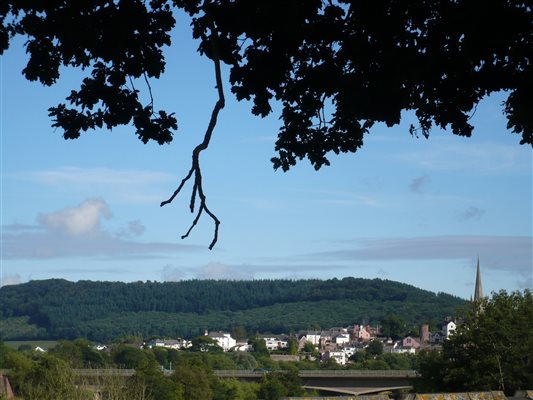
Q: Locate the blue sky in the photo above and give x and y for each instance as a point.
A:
(412, 210)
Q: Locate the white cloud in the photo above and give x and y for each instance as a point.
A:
(173, 274)
(216, 270)
(10, 279)
(77, 232)
(81, 220)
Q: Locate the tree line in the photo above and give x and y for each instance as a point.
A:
(59, 309)
(491, 350)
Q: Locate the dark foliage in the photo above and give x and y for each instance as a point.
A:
(107, 310)
(337, 67)
(492, 349)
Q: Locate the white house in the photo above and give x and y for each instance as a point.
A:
(273, 343)
(349, 351)
(224, 340)
(403, 350)
(313, 337)
(342, 338)
(339, 356)
(167, 343)
(448, 329)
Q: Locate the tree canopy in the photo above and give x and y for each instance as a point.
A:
(492, 349)
(104, 311)
(336, 67)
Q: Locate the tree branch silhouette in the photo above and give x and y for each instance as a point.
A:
(197, 189)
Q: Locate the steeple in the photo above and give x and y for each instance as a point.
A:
(478, 291)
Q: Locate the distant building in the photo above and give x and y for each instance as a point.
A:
(175, 344)
(224, 340)
(338, 356)
(424, 334)
(410, 342)
(274, 343)
(448, 328)
(478, 291)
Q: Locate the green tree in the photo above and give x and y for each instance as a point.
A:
(430, 364)
(50, 378)
(157, 386)
(193, 381)
(272, 388)
(337, 68)
(375, 348)
(259, 348)
(244, 360)
(130, 357)
(491, 350)
(161, 356)
(239, 333)
(309, 347)
(292, 346)
(20, 366)
(393, 326)
(277, 385)
(69, 352)
(205, 343)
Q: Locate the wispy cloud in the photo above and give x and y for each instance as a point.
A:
(482, 158)
(104, 176)
(472, 212)
(505, 253)
(417, 185)
(341, 198)
(131, 186)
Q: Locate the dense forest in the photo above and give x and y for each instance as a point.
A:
(103, 311)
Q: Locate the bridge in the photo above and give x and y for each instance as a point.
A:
(349, 382)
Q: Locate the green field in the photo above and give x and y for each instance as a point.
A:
(15, 344)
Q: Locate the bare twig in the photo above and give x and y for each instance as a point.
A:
(197, 188)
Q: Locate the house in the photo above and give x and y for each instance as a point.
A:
(448, 328)
(362, 334)
(436, 337)
(350, 351)
(338, 355)
(313, 337)
(242, 346)
(341, 338)
(224, 340)
(403, 350)
(411, 342)
(273, 343)
(175, 344)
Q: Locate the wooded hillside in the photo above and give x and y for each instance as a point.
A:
(103, 311)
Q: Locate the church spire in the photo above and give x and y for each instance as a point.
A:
(478, 291)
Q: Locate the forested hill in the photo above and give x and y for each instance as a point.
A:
(103, 311)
